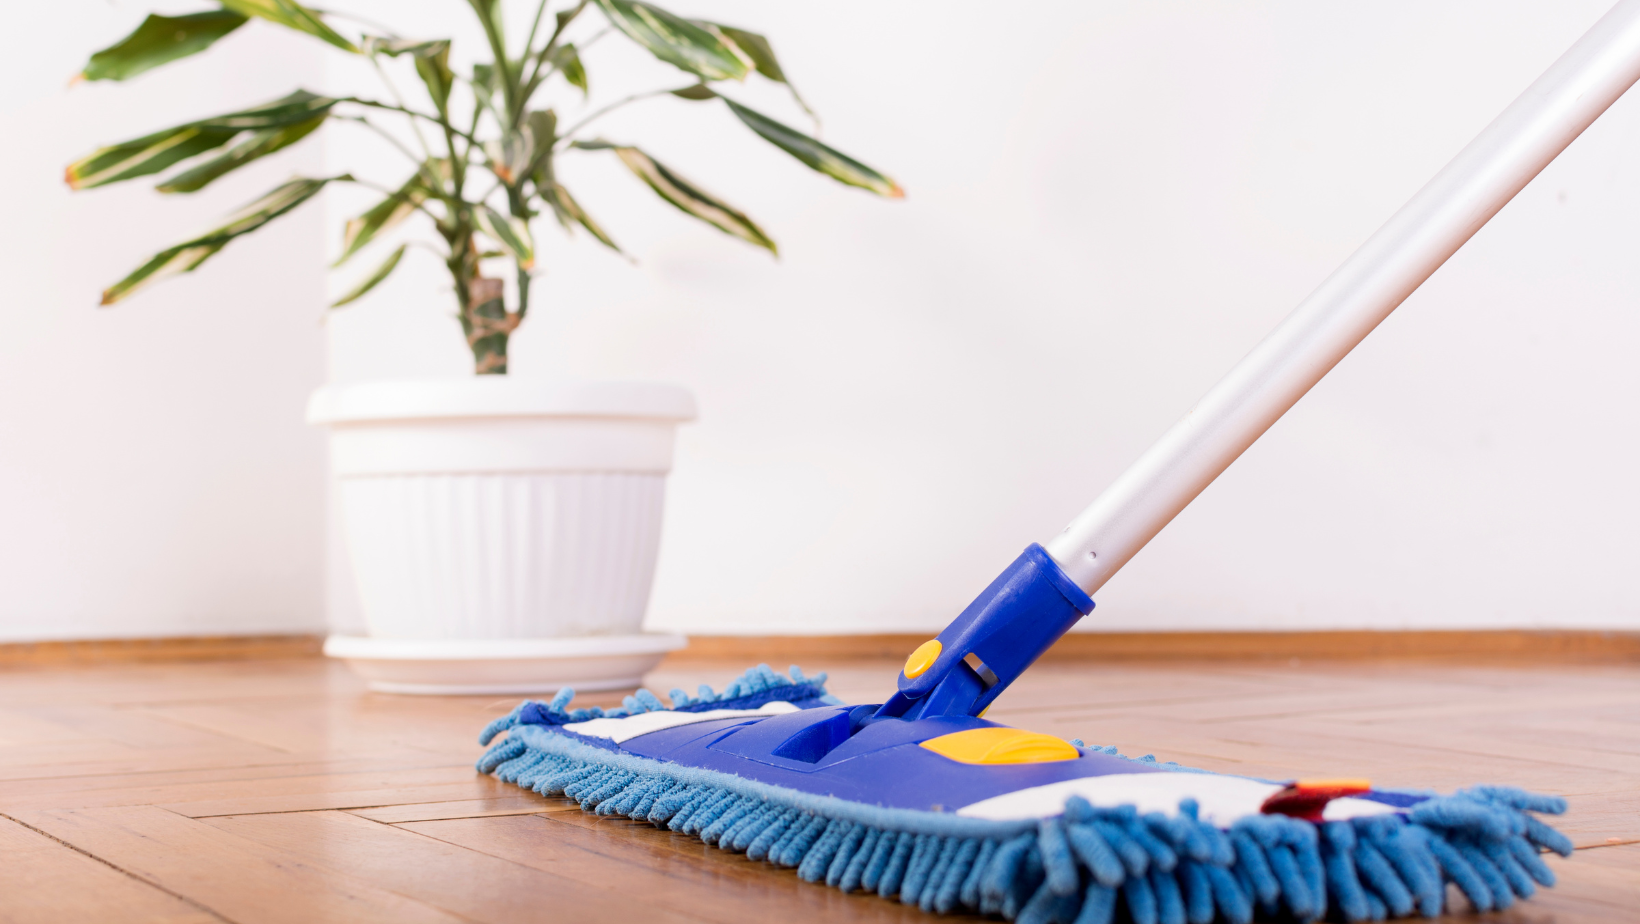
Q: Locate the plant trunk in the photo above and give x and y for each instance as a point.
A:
(488, 325)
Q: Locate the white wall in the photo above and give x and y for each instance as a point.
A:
(1109, 204)
(155, 475)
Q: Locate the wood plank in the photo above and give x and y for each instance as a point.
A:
(207, 681)
(235, 878)
(1594, 882)
(371, 721)
(186, 648)
(296, 793)
(473, 884)
(214, 765)
(1502, 645)
(525, 803)
(1507, 645)
(44, 881)
(251, 746)
(478, 787)
(649, 859)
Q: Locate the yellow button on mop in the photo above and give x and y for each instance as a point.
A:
(923, 658)
(1002, 746)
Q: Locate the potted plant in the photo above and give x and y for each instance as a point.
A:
(503, 531)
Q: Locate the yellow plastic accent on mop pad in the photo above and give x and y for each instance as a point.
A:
(1001, 746)
(923, 658)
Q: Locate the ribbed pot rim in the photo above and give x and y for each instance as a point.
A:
(497, 396)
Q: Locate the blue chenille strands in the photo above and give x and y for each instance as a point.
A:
(751, 690)
(1090, 865)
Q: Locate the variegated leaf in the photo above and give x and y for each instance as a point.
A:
(756, 48)
(144, 156)
(568, 62)
(827, 160)
(511, 157)
(160, 40)
(188, 255)
(292, 15)
(432, 60)
(360, 231)
(761, 53)
(152, 153)
(513, 234)
(569, 212)
(675, 40)
(691, 199)
(258, 145)
(376, 276)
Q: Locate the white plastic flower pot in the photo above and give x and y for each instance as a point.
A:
(494, 510)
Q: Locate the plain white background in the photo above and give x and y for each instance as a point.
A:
(1109, 203)
(155, 474)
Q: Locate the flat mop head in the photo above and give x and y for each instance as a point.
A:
(922, 799)
(955, 814)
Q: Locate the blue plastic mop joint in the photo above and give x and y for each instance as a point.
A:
(1007, 627)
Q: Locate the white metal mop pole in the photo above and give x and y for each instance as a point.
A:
(1354, 299)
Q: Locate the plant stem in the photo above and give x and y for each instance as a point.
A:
(546, 52)
(529, 40)
(396, 143)
(519, 206)
(391, 192)
(374, 104)
(415, 126)
(489, 17)
(595, 37)
(386, 30)
(565, 136)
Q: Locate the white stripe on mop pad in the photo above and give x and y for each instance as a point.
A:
(618, 730)
(1223, 799)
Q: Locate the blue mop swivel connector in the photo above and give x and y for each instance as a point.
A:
(1017, 618)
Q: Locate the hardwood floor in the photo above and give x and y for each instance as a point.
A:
(280, 790)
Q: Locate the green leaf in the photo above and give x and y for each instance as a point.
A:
(688, 197)
(568, 62)
(512, 156)
(145, 155)
(827, 160)
(383, 215)
(675, 40)
(542, 125)
(486, 84)
(153, 153)
(160, 40)
(698, 92)
(432, 60)
(757, 48)
(188, 255)
(258, 145)
(570, 212)
(292, 15)
(565, 17)
(369, 282)
(513, 234)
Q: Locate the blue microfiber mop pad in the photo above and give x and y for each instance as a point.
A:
(1086, 836)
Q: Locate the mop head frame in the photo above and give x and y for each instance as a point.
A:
(1107, 840)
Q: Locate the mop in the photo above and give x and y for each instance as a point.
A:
(921, 799)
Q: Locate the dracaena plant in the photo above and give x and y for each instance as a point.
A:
(482, 150)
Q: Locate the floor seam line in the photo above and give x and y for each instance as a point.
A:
(118, 869)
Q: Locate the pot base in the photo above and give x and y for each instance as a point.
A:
(502, 665)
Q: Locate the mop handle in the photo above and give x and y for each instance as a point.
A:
(1353, 300)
